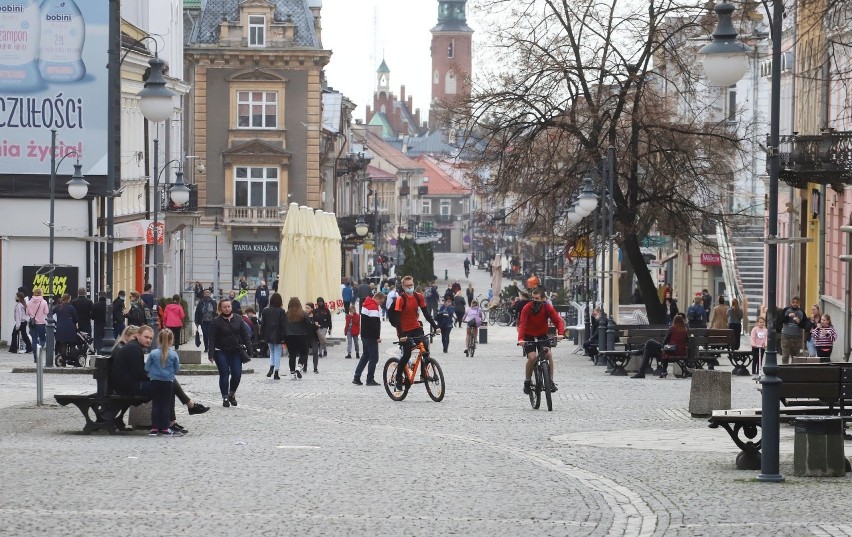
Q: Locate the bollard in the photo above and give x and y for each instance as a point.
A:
(446, 274)
(483, 333)
(818, 447)
(709, 391)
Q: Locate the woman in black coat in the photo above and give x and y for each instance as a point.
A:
(66, 324)
(227, 332)
(273, 322)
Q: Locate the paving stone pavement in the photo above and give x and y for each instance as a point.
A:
(321, 456)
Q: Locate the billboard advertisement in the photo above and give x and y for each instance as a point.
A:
(53, 56)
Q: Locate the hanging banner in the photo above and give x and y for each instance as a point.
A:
(53, 75)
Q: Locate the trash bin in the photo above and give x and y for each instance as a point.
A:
(818, 447)
(483, 333)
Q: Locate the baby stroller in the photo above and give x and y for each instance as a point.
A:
(75, 353)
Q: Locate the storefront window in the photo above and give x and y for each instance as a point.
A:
(256, 261)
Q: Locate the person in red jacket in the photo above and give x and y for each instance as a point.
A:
(173, 315)
(532, 327)
(352, 329)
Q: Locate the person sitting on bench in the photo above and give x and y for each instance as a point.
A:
(128, 377)
(675, 338)
(591, 344)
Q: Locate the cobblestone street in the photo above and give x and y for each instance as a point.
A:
(321, 456)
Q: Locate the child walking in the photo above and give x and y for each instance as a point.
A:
(824, 336)
(352, 331)
(162, 365)
(758, 345)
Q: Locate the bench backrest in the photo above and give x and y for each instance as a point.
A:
(103, 367)
(713, 338)
(829, 383)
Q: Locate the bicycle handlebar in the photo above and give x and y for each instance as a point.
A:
(406, 339)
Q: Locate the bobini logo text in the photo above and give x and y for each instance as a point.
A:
(62, 17)
(13, 8)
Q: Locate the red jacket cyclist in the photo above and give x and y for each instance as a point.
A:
(408, 307)
(532, 327)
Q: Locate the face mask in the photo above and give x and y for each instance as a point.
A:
(409, 290)
(121, 297)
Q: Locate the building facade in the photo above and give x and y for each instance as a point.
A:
(255, 120)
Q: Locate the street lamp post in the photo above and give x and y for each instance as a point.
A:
(77, 189)
(153, 100)
(725, 62)
(216, 231)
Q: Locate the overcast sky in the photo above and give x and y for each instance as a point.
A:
(359, 32)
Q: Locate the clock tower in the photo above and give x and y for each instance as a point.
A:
(452, 59)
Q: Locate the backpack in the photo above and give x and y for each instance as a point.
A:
(208, 311)
(136, 315)
(693, 315)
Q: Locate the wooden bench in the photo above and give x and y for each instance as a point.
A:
(806, 390)
(632, 339)
(102, 409)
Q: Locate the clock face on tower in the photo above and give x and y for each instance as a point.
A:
(383, 80)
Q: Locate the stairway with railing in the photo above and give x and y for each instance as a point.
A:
(743, 265)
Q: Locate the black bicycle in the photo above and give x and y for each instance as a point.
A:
(540, 380)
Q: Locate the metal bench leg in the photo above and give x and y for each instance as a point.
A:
(749, 457)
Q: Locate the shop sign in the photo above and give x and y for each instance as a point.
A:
(64, 279)
(256, 247)
(711, 259)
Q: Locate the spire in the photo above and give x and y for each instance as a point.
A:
(383, 68)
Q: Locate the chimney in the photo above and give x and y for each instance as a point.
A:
(402, 93)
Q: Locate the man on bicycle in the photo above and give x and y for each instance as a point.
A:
(532, 327)
(405, 319)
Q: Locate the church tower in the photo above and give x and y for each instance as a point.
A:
(452, 59)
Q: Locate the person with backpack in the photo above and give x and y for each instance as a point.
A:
(793, 323)
(136, 312)
(404, 317)
(695, 314)
(205, 312)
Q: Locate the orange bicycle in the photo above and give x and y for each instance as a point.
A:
(430, 371)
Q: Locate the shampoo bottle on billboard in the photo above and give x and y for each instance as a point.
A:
(63, 32)
(20, 31)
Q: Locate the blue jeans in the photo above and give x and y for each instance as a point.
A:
(812, 350)
(350, 339)
(39, 337)
(230, 371)
(369, 359)
(117, 329)
(275, 352)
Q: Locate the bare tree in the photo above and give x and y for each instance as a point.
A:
(570, 79)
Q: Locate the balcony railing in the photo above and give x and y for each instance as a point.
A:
(254, 216)
(824, 158)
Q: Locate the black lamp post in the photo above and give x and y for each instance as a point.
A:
(725, 61)
(77, 189)
(153, 100)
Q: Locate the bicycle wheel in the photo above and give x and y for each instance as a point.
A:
(473, 342)
(503, 317)
(434, 379)
(483, 305)
(545, 381)
(389, 380)
(535, 389)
